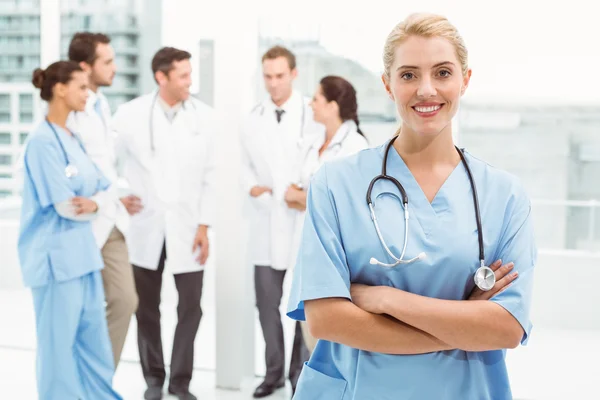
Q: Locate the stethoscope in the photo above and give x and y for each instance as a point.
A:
(329, 148)
(300, 141)
(71, 170)
(484, 276)
(151, 119)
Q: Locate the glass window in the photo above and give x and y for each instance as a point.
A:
(5, 138)
(23, 137)
(25, 101)
(5, 159)
(26, 117)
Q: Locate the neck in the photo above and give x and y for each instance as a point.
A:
(169, 100)
(93, 87)
(418, 151)
(282, 101)
(58, 112)
(331, 128)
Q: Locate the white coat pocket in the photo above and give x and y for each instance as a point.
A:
(315, 385)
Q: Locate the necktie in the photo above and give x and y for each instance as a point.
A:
(279, 113)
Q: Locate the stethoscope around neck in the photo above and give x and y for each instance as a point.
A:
(151, 119)
(71, 170)
(484, 276)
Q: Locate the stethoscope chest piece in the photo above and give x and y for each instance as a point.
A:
(71, 171)
(485, 278)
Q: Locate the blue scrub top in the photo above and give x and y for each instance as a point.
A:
(53, 248)
(339, 239)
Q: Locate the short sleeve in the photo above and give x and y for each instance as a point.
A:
(321, 269)
(517, 245)
(46, 168)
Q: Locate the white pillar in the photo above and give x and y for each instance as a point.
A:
(49, 32)
(235, 61)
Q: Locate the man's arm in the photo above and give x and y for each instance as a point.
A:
(339, 320)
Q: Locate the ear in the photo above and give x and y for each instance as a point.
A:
(161, 78)
(87, 68)
(294, 73)
(466, 81)
(386, 84)
(335, 107)
(60, 90)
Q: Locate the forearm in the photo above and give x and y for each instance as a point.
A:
(66, 210)
(467, 325)
(339, 320)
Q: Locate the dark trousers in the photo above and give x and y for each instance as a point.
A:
(189, 313)
(268, 284)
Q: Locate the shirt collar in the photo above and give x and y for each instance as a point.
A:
(341, 134)
(290, 104)
(91, 100)
(169, 110)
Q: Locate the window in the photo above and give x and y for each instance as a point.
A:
(5, 159)
(23, 137)
(26, 102)
(26, 117)
(5, 138)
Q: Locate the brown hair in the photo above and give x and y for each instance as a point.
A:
(336, 88)
(164, 58)
(280, 51)
(59, 72)
(83, 46)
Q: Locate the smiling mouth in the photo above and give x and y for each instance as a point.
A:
(427, 111)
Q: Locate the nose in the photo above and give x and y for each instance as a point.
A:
(426, 88)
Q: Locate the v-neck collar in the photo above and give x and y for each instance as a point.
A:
(418, 205)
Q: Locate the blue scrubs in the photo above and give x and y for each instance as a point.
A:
(61, 263)
(339, 239)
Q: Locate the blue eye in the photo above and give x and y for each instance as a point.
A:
(445, 73)
(407, 76)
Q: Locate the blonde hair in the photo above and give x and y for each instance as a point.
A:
(428, 26)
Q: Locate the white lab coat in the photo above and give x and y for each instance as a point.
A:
(176, 182)
(345, 142)
(270, 151)
(98, 139)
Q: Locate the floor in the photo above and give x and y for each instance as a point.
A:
(555, 365)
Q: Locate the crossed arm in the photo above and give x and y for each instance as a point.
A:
(405, 323)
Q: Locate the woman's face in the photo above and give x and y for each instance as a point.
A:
(75, 92)
(426, 83)
(323, 110)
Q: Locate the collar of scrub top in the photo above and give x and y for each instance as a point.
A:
(484, 276)
(179, 107)
(268, 109)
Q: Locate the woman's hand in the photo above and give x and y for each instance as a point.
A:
(503, 280)
(83, 205)
(368, 298)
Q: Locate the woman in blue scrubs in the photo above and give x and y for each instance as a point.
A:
(59, 257)
(419, 329)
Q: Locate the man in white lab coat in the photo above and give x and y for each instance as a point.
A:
(272, 139)
(165, 141)
(93, 52)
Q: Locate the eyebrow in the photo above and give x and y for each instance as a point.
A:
(435, 66)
